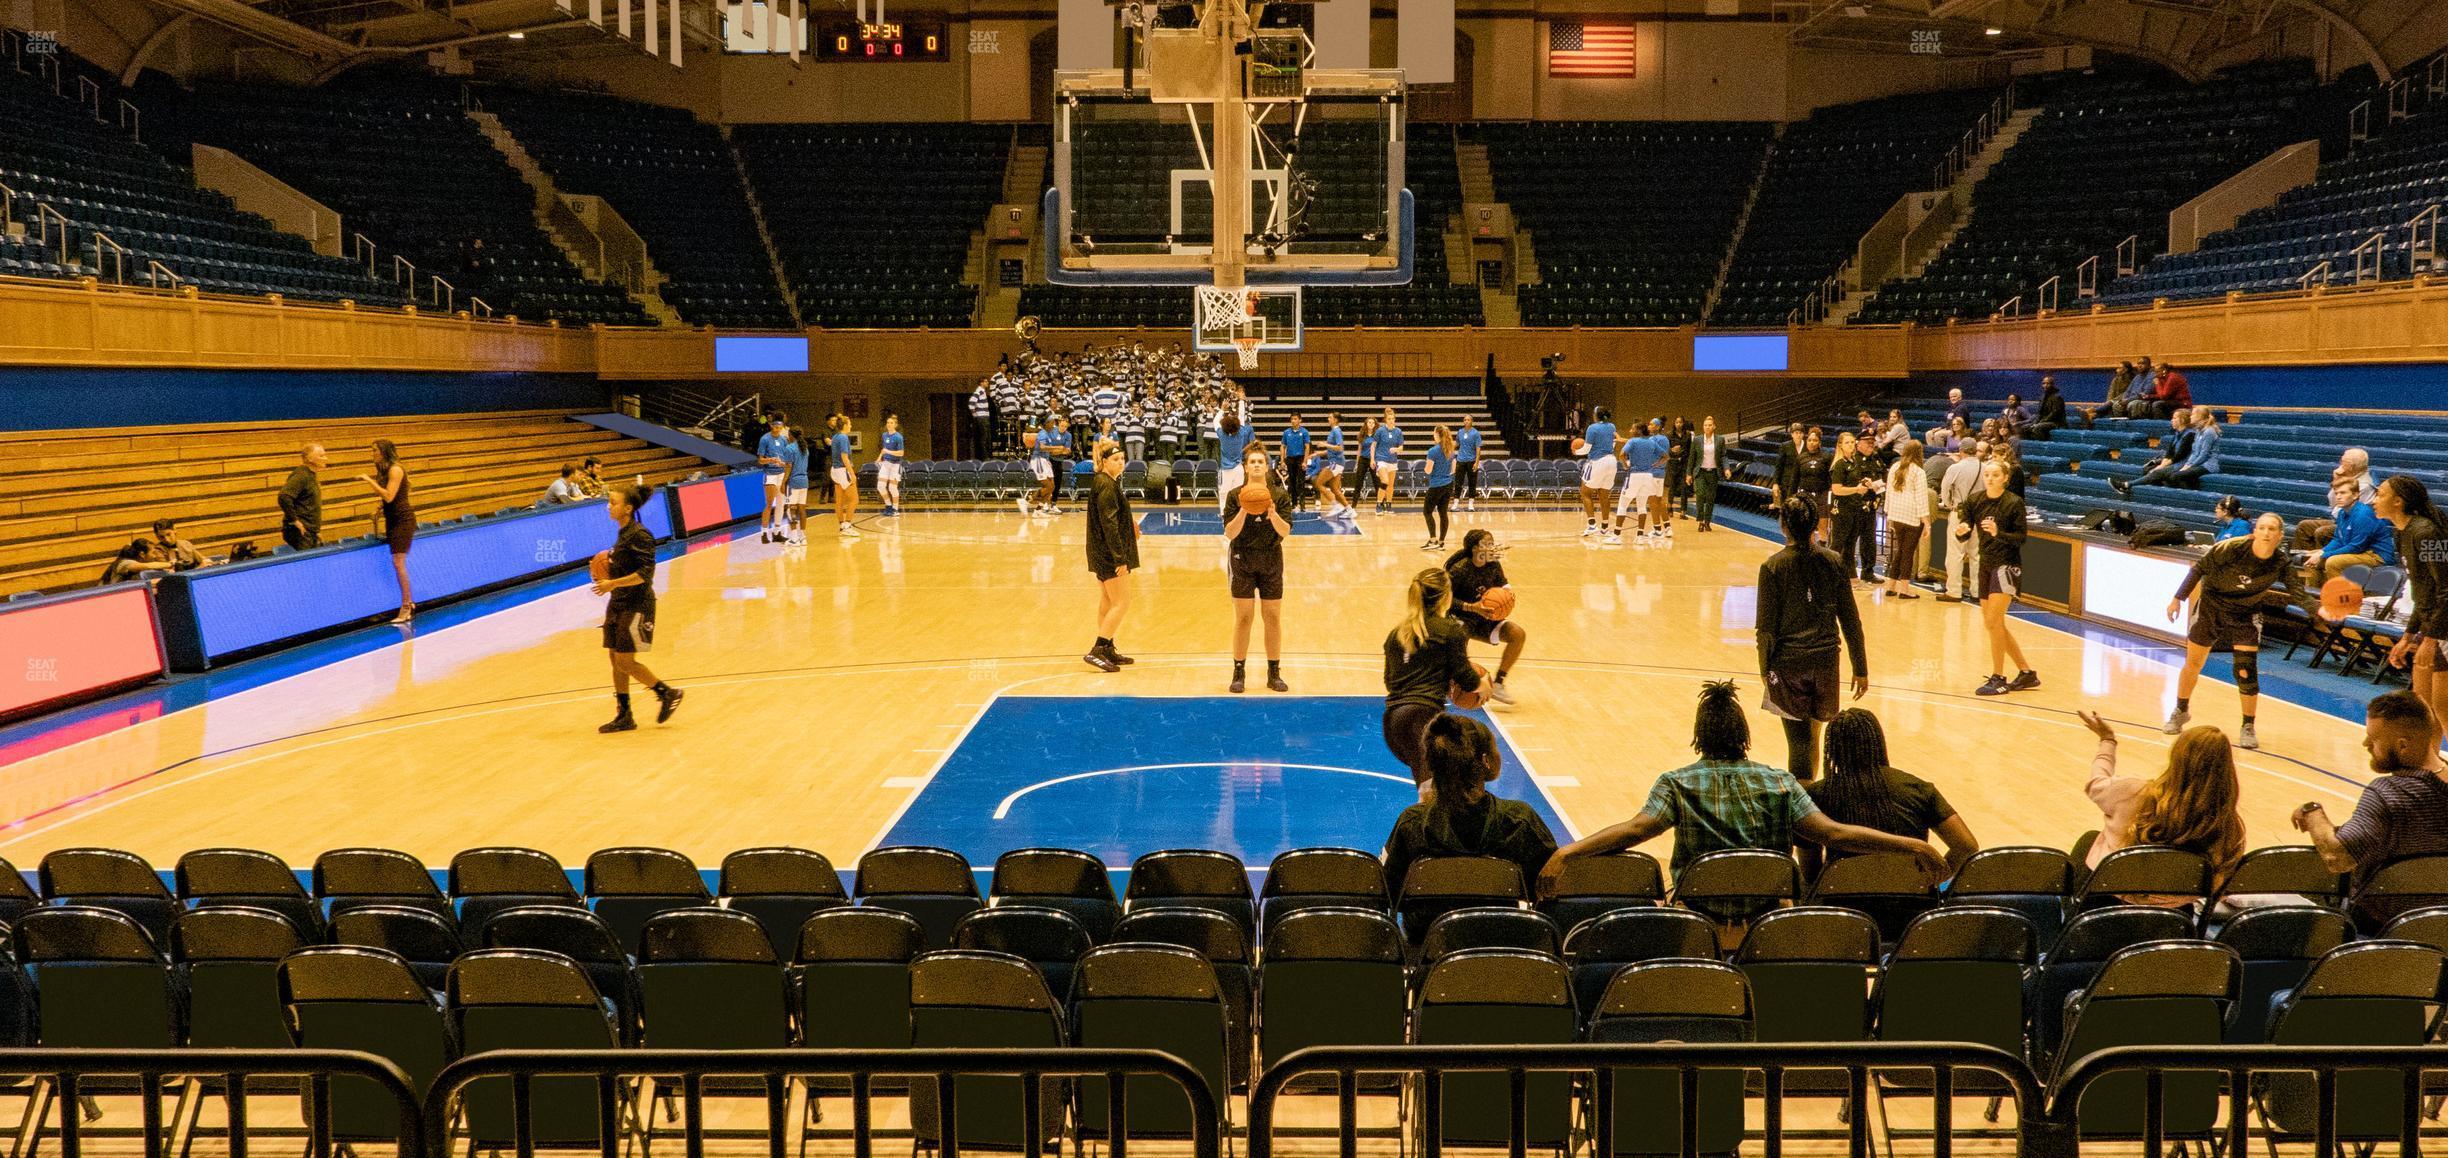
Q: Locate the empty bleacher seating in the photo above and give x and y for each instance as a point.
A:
(73, 498)
(1831, 178)
(874, 221)
(401, 162)
(2111, 156)
(58, 154)
(670, 176)
(1630, 220)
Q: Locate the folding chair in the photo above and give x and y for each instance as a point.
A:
(1675, 1001)
(345, 878)
(1341, 878)
(961, 999)
(1810, 970)
(348, 997)
(1734, 886)
(933, 885)
(627, 887)
(108, 878)
(485, 881)
(1159, 997)
(1601, 947)
(1437, 885)
(781, 888)
(586, 941)
(501, 999)
(243, 876)
(2029, 880)
(1050, 939)
(1593, 886)
(424, 941)
(1059, 878)
(1193, 878)
(1502, 996)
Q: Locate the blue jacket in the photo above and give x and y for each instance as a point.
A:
(2362, 532)
(2204, 454)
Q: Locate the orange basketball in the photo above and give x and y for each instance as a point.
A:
(2339, 598)
(1497, 603)
(1255, 500)
(600, 567)
(1473, 698)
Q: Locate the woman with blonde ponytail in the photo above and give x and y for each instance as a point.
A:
(1425, 655)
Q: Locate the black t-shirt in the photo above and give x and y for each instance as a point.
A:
(1471, 583)
(2004, 549)
(1422, 678)
(1814, 471)
(1920, 807)
(2231, 574)
(1853, 471)
(1490, 826)
(634, 554)
(1259, 546)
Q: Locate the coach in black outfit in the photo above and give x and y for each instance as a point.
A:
(1853, 481)
(301, 500)
(1805, 610)
(1113, 553)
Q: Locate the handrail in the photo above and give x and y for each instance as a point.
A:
(2010, 308)
(2400, 99)
(8, 205)
(89, 94)
(155, 271)
(445, 294)
(2046, 296)
(2435, 76)
(2377, 246)
(362, 246)
(1428, 1066)
(783, 1071)
(407, 281)
(64, 1072)
(2320, 271)
(131, 118)
(118, 255)
(2358, 122)
(479, 306)
(2086, 278)
(44, 215)
(2422, 236)
(2129, 255)
(2238, 1064)
(1800, 404)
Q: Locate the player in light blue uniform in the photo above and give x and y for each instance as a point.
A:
(1047, 460)
(1644, 487)
(1466, 464)
(1438, 507)
(845, 480)
(888, 466)
(1234, 438)
(1296, 460)
(1389, 445)
(794, 492)
(1597, 470)
(771, 456)
(1326, 469)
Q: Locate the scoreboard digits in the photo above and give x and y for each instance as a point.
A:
(844, 41)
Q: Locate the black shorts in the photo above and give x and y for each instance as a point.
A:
(2003, 580)
(1481, 628)
(629, 630)
(1805, 688)
(1257, 578)
(2222, 626)
(1106, 574)
(1406, 735)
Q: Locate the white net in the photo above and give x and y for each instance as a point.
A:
(1247, 349)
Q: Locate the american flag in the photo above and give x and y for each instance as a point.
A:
(1575, 48)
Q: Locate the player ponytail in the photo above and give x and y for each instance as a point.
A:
(1431, 594)
(1444, 439)
(1800, 517)
(2416, 498)
(1856, 790)
(1720, 730)
(1461, 759)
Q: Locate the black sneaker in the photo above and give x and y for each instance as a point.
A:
(1275, 683)
(668, 701)
(620, 723)
(2120, 486)
(2024, 681)
(1119, 658)
(1097, 659)
(1997, 686)
(1239, 684)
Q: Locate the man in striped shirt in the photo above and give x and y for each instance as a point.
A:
(2404, 810)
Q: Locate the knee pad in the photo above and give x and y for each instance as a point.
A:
(2248, 672)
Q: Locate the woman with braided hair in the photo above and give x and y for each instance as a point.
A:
(1862, 789)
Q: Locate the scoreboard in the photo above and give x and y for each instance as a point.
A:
(849, 40)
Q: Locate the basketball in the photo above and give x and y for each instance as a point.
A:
(1255, 500)
(1580, 447)
(2339, 598)
(1477, 697)
(1497, 603)
(599, 568)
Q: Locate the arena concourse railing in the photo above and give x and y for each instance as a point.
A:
(59, 1079)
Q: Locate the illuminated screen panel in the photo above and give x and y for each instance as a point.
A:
(761, 355)
(55, 650)
(2129, 588)
(705, 504)
(1752, 352)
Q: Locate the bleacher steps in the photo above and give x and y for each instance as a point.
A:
(1502, 308)
(560, 225)
(1742, 221)
(1418, 415)
(1010, 232)
(756, 213)
(1918, 261)
(1477, 174)
(1458, 267)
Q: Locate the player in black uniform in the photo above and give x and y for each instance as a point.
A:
(1806, 620)
(1475, 570)
(1998, 513)
(1113, 553)
(629, 615)
(1257, 568)
(1425, 655)
(2233, 583)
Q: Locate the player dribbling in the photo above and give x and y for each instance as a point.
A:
(629, 615)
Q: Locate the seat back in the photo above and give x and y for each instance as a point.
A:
(2157, 993)
(1490, 928)
(1593, 886)
(422, 938)
(2401, 887)
(1809, 971)
(1059, 878)
(850, 970)
(1500, 996)
(934, 885)
(1890, 887)
(1193, 878)
(485, 881)
(1957, 975)
(580, 936)
(1678, 1001)
(1225, 944)
(965, 999)
(1600, 948)
(1438, 885)
(2086, 943)
(227, 958)
(351, 997)
(709, 979)
(2283, 870)
(526, 999)
(1738, 884)
(1146, 996)
(109, 878)
(2371, 993)
(1050, 939)
(1339, 878)
(1330, 977)
(629, 886)
(345, 878)
(781, 888)
(102, 982)
(2144, 870)
(244, 876)
(2277, 944)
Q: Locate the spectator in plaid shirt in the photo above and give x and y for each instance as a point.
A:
(1727, 801)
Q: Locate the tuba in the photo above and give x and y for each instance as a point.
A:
(1026, 330)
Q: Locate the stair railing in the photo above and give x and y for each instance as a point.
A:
(2129, 256)
(156, 273)
(2009, 309)
(404, 272)
(117, 261)
(445, 294)
(131, 118)
(2368, 257)
(479, 306)
(361, 248)
(2400, 99)
(2086, 279)
(2358, 123)
(44, 215)
(2046, 295)
(2317, 274)
(2422, 238)
(89, 95)
(2435, 76)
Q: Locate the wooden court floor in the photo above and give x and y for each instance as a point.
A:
(826, 683)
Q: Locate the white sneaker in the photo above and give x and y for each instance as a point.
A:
(2246, 737)
(1589, 529)
(2176, 722)
(850, 532)
(1023, 504)
(1499, 694)
(1614, 540)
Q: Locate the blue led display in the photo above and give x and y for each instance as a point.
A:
(764, 355)
(1738, 352)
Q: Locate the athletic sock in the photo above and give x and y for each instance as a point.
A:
(2184, 704)
(1103, 642)
(1500, 677)
(1240, 668)
(1274, 668)
(621, 698)
(2248, 721)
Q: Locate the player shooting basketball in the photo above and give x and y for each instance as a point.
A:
(1256, 533)
(1483, 602)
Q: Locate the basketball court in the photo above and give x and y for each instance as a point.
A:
(924, 685)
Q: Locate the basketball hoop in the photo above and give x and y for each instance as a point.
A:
(1246, 346)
